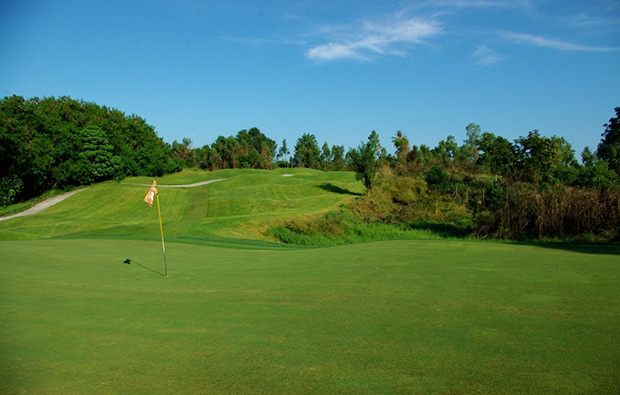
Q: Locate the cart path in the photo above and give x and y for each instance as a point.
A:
(44, 205)
(197, 184)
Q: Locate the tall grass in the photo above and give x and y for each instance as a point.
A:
(342, 227)
(557, 211)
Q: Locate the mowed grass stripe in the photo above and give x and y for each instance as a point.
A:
(389, 317)
(240, 206)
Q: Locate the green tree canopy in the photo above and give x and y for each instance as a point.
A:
(538, 156)
(307, 153)
(62, 142)
(338, 162)
(609, 147)
(366, 160)
(97, 162)
(401, 143)
(498, 154)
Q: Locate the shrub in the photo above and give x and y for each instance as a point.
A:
(438, 178)
(10, 188)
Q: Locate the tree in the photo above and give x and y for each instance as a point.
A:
(283, 152)
(366, 160)
(183, 152)
(401, 143)
(223, 153)
(609, 148)
(538, 156)
(307, 153)
(266, 157)
(326, 157)
(338, 163)
(472, 142)
(203, 157)
(420, 155)
(596, 176)
(566, 152)
(498, 154)
(255, 150)
(96, 158)
(446, 150)
(588, 158)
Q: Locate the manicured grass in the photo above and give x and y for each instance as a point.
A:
(240, 207)
(243, 314)
(388, 317)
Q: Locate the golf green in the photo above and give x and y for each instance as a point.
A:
(388, 317)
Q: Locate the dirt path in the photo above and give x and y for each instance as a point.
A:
(44, 205)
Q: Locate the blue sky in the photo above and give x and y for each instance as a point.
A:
(337, 69)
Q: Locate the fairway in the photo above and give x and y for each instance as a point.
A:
(239, 207)
(388, 317)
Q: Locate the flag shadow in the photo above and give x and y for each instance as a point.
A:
(129, 262)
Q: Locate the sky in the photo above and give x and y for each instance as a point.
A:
(336, 69)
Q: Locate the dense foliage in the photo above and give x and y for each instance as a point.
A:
(533, 187)
(59, 143)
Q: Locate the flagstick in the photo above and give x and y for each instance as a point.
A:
(161, 230)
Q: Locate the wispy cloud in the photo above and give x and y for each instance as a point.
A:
(487, 57)
(523, 38)
(372, 39)
(583, 20)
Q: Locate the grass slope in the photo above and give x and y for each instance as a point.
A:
(239, 207)
(389, 317)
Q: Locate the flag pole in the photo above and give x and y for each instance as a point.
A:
(161, 230)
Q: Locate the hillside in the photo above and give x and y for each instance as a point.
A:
(240, 207)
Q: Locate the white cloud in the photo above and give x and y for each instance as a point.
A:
(539, 41)
(486, 56)
(331, 51)
(386, 38)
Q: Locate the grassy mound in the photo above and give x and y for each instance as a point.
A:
(242, 206)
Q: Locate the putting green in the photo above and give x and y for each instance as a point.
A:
(389, 317)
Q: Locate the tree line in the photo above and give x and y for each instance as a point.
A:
(533, 158)
(63, 143)
(532, 188)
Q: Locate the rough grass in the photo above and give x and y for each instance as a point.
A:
(389, 317)
(342, 227)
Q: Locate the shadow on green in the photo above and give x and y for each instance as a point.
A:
(329, 187)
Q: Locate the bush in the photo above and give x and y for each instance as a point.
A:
(10, 188)
(438, 178)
